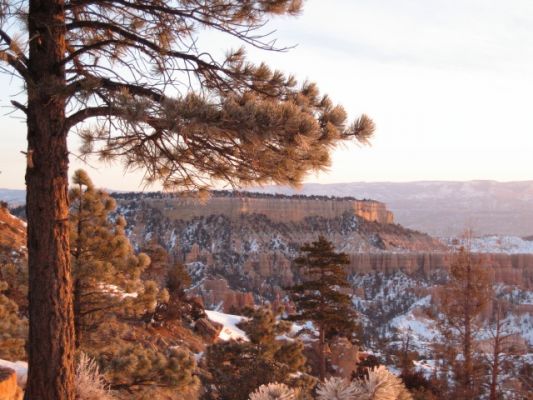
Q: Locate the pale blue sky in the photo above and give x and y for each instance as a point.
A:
(449, 84)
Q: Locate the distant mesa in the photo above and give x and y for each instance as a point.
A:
(278, 208)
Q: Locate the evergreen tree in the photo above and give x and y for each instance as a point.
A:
(178, 279)
(110, 62)
(261, 360)
(137, 363)
(15, 274)
(13, 329)
(319, 297)
(105, 268)
(462, 300)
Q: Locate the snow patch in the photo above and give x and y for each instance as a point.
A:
(497, 244)
(230, 331)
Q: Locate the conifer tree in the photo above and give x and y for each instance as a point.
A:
(462, 300)
(318, 298)
(261, 360)
(178, 279)
(155, 100)
(139, 364)
(15, 274)
(105, 268)
(13, 329)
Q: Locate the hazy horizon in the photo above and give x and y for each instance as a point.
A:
(151, 189)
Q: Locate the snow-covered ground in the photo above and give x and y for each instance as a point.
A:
(415, 325)
(498, 244)
(230, 330)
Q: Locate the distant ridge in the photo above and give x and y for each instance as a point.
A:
(443, 208)
(14, 197)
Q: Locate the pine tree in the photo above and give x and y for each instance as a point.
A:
(178, 279)
(110, 62)
(137, 363)
(15, 274)
(462, 300)
(105, 268)
(273, 391)
(318, 298)
(261, 360)
(13, 329)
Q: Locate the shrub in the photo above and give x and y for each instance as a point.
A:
(90, 384)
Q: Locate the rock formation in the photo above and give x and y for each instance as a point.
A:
(9, 389)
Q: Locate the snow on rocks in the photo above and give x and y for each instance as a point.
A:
(415, 324)
(230, 331)
(497, 244)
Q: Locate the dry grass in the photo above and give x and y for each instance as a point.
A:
(90, 384)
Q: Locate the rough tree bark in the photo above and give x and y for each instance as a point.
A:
(51, 336)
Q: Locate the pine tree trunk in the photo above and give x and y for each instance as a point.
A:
(495, 367)
(467, 349)
(322, 351)
(77, 281)
(51, 336)
(494, 374)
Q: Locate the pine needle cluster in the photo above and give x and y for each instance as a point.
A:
(273, 391)
(380, 384)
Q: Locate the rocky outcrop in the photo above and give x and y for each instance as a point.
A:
(240, 250)
(344, 356)
(285, 209)
(9, 389)
(208, 330)
(373, 211)
(216, 293)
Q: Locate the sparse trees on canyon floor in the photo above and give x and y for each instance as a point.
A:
(155, 100)
(462, 301)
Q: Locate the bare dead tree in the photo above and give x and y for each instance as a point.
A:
(462, 300)
(500, 346)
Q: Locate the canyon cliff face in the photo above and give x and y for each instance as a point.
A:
(442, 208)
(274, 208)
(235, 246)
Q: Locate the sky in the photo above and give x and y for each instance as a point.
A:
(449, 84)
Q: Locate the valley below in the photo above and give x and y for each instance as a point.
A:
(239, 250)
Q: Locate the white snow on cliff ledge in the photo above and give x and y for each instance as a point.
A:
(230, 331)
(499, 244)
